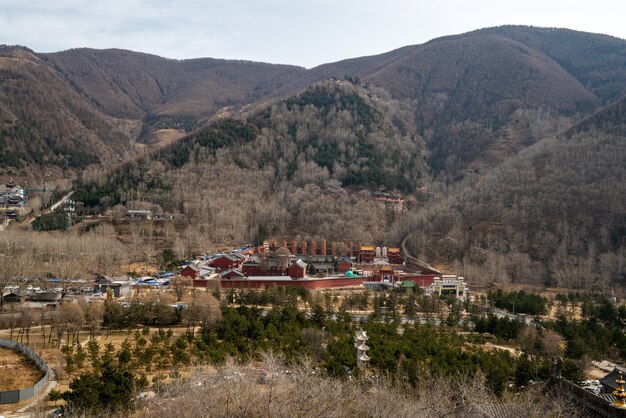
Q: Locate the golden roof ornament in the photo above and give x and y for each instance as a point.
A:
(619, 392)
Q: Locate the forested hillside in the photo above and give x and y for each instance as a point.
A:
(609, 120)
(44, 124)
(554, 214)
(597, 61)
(482, 95)
(508, 167)
(128, 84)
(306, 165)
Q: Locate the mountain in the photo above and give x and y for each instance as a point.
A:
(44, 123)
(128, 84)
(476, 97)
(597, 61)
(485, 94)
(70, 109)
(553, 214)
(502, 148)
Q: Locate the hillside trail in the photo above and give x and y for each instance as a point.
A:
(31, 219)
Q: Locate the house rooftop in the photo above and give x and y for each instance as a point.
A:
(229, 257)
(229, 271)
(609, 379)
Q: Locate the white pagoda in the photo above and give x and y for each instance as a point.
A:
(362, 359)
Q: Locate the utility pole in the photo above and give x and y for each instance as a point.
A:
(44, 190)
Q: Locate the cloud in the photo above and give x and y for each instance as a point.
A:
(304, 32)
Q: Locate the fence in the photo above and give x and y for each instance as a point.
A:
(593, 404)
(17, 395)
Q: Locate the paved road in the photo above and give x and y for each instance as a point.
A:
(51, 208)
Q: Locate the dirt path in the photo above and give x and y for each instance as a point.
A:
(491, 346)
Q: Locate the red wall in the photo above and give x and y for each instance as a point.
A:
(296, 272)
(200, 283)
(252, 270)
(344, 266)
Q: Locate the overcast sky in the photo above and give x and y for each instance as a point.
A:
(300, 32)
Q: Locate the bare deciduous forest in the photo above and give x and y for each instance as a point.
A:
(28, 254)
(304, 166)
(552, 214)
(305, 393)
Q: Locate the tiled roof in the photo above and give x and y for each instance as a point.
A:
(230, 271)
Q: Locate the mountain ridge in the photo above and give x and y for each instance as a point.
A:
(476, 97)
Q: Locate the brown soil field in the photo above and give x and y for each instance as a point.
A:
(16, 370)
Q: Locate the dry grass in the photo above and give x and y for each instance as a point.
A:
(164, 137)
(301, 391)
(16, 370)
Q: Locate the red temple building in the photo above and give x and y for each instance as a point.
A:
(366, 254)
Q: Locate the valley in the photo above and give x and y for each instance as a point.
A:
(492, 160)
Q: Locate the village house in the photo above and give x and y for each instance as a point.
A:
(45, 297)
(232, 274)
(206, 270)
(322, 268)
(272, 263)
(139, 214)
(191, 270)
(15, 296)
(297, 270)
(227, 261)
(252, 267)
(119, 286)
(344, 265)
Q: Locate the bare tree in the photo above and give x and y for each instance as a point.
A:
(180, 285)
(69, 318)
(93, 312)
(202, 309)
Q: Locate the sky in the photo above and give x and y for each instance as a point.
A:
(298, 32)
